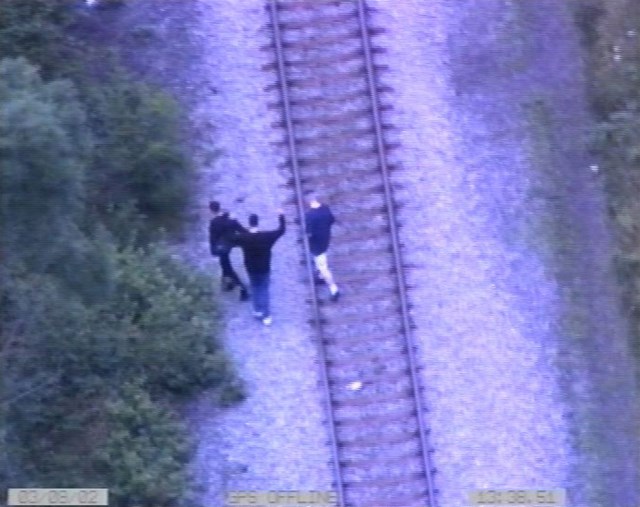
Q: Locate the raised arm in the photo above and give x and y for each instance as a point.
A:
(281, 225)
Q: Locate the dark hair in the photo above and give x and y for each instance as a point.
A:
(214, 206)
(253, 220)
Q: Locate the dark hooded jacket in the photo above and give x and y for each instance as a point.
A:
(256, 247)
(222, 230)
(318, 222)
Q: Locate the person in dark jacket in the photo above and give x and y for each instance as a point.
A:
(222, 229)
(318, 222)
(256, 246)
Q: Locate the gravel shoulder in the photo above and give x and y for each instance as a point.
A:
(514, 300)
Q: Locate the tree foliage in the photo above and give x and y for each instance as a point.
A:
(138, 161)
(44, 146)
(35, 29)
(102, 331)
(614, 69)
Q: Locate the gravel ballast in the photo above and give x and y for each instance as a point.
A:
(509, 252)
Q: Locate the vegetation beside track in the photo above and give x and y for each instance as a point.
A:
(611, 36)
(103, 332)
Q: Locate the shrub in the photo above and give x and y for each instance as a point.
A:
(138, 159)
(44, 146)
(145, 453)
(35, 29)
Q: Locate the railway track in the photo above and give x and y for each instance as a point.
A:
(329, 100)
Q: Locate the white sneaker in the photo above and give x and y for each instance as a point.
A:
(267, 321)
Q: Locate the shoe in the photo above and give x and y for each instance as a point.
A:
(267, 320)
(335, 296)
(258, 315)
(244, 295)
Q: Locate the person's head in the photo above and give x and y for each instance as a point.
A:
(253, 220)
(312, 200)
(214, 206)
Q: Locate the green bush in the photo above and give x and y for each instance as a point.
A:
(63, 359)
(172, 318)
(101, 331)
(614, 69)
(138, 162)
(43, 148)
(145, 453)
(35, 29)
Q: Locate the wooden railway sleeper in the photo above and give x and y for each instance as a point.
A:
(323, 42)
(379, 443)
(321, 20)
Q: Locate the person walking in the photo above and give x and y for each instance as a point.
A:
(318, 222)
(256, 246)
(222, 229)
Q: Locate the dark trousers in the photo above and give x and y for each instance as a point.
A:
(260, 293)
(227, 269)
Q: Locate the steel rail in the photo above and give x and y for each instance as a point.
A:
(375, 107)
(284, 91)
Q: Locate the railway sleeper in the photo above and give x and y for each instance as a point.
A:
(340, 150)
(416, 496)
(378, 444)
(353, 425)
(336, 119)
(401, 452)
(368, 153)
(323, 43)
(348, 215)
(350, 362)
(361, 299)
(351, 431)
(341, 133)
(344, 360)
(351, 332)
(360, 107)
(383, 468)
(326, 158)
(302, 5)
(312, 62)
(364, 262)
(365, 194)
(391, 364)
(347, 67)
(367, 322)
(379, 305)
(371, 373)
(324, 101)
(364, 281)
(320, 130)
(417, 499)
(378, 350)
(327, 61)
(370, 392)
(373, 245)
(372, 452)
(389, 485)
(376, 420)
(345, 120)
(366, 183)
(393, 396)
(319, 21)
